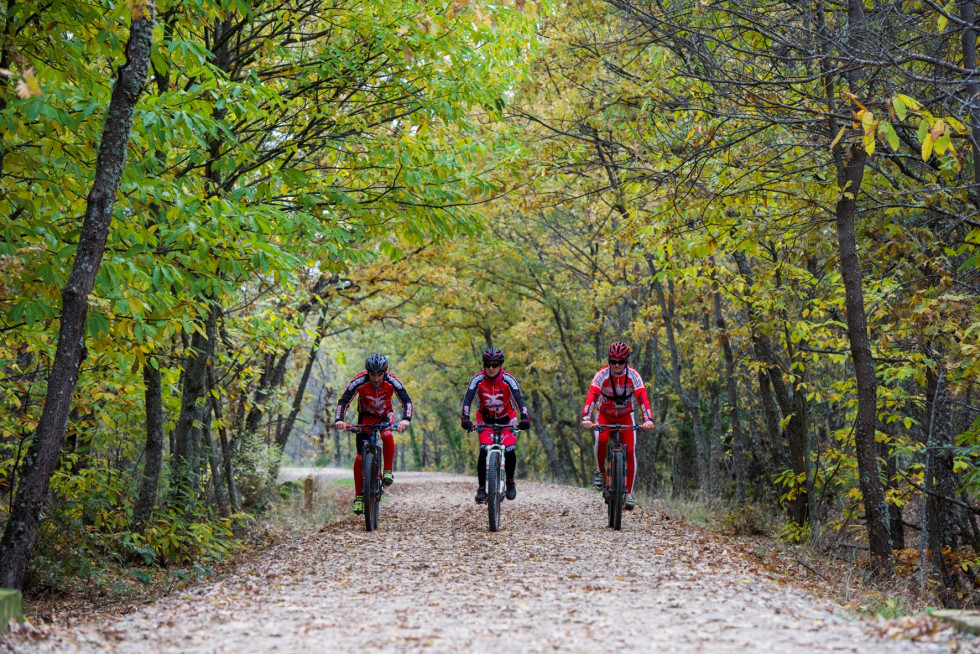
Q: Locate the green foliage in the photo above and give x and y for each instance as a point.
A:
(793, 532)
(181, 536)
(260, 171)
(253, 462)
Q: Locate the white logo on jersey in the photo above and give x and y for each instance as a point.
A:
(376, 404)
(493, 401)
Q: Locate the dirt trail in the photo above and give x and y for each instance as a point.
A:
(433, 579)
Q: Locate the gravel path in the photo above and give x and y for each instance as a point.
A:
(433, 579)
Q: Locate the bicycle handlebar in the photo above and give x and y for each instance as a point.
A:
(481, 425)
(596, 425)
(379, 426)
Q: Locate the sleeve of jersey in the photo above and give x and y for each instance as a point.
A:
(515, 390)
(590, 400)
(464, 412)
(403, 397)
(641, 395)
(346, 398)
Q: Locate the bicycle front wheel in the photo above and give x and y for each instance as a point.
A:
(493, 490)
(371, 500)
(619, 491)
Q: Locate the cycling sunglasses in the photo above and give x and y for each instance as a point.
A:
(491, 365)
(617, 362)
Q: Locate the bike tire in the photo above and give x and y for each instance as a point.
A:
(369, 465)
(493, 490)
(619, 490)
(378, 488)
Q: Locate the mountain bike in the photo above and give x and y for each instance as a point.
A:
(495, 484)
(614, 485)
(371, 462)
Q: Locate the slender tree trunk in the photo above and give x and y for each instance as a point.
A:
(738, 441)
(895, 524)
(972, 84)
(20, 532)
(692, 400)
(146, 497)
(714, 440)
(186, 458)
(939, 483)
(544, 435)
(792, 405)
(282, 435)
(875, 507)
(214, 460)
(226, 453)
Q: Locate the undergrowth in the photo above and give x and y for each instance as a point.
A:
(80, 572)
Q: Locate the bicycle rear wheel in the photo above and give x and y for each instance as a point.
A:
(619, 491)
(493, 490)
(370, 468)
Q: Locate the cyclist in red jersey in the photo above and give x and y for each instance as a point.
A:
(498, 394)
(615, 391)
(374, 388)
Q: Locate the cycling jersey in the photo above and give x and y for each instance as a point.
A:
(616, 397)
(497, 396)
(375, 402)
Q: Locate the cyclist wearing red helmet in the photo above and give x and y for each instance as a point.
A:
(374, 388)
(612, 394)
(498, 394)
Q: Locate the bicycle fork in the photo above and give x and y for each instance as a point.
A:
(499, 449)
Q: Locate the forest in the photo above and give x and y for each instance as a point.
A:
(215, 209)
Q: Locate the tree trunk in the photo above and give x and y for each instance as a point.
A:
(972, 84)
(691, 401)
(792, 405)
(214, 460)
(186, 458)
(738, 444)
(875, 507)
(226, 454)
(544, 435)
(714, 440)
(20, 532)
(146, 498)
(939, 482)
(282, 435)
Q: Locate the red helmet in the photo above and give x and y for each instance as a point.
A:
(619, 350)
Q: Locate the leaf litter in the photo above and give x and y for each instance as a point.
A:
(555, 578)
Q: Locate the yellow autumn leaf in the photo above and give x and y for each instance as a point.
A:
(137, 8)
(927, 144)
(837, 138)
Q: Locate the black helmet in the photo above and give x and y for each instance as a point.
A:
(493, 355)
(376, 363)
